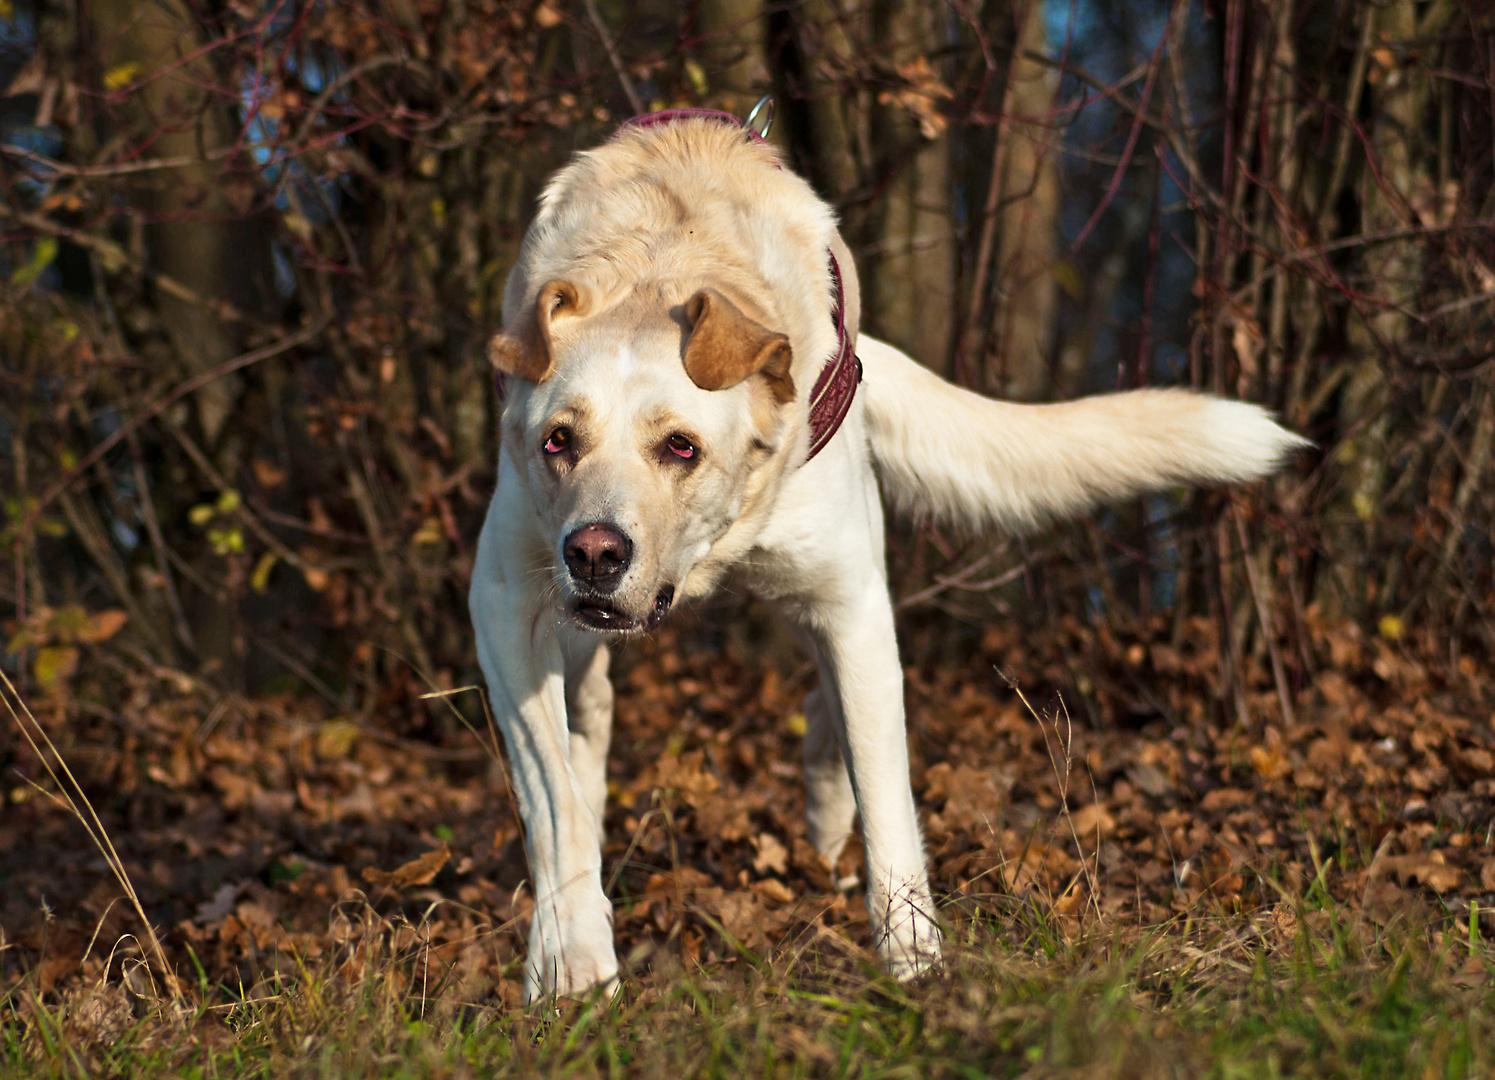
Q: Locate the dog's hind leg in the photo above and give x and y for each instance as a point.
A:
(589, 714)
(832, 803)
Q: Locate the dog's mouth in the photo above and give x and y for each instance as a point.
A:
(595, 613)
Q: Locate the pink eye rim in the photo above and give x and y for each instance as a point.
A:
(558, 441)
(681, 446)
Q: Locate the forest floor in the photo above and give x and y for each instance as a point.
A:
(1130, 887)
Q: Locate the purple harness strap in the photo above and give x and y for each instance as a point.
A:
(836, 386)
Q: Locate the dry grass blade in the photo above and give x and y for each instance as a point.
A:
(1061, 775)
(489, 739)
(77, 802)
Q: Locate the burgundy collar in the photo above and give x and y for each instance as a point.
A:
(830, 401)
(669, 116)
(836, 386)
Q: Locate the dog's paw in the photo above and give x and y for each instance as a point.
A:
(908, 939)
(905, 960)
(571, 976)
(571, 952)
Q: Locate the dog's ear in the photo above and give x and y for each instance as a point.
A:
(525, 351)
(725, 347)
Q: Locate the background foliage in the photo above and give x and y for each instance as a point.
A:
(252, 253)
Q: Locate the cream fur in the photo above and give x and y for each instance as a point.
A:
(949, 454)
(638, 226)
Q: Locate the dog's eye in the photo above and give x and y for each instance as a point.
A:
(681, 447)
(558, 441)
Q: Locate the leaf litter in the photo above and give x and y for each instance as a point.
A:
(265, 834)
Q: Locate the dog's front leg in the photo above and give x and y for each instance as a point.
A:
(589, 714)
(519, 647)
(861, 683)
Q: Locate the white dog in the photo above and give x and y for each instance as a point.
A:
(685, 406)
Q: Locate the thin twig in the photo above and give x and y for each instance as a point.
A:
(254, 356)
(121, 168)
(1279, 674)
(613, 57)
(113, 252)
(219, 481)
(961, 580)
(147, 506)
(1131, 140)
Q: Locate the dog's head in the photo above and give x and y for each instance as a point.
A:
(645, 432)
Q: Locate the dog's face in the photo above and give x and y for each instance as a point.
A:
(643, 434)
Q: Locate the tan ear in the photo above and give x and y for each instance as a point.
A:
(525, 352)
(725, 347)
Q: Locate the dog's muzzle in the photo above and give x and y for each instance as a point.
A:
(596, 613)
(597, 557)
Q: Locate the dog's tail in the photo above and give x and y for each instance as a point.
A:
(952, 455)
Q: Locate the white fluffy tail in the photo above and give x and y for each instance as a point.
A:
(955, 456)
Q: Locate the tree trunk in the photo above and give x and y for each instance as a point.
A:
(735, 33)
(814, 67)
(909, 268)
(1393, 271)
(1017, 365)
(194, 237)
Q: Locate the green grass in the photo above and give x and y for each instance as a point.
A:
(1330, 997)
(1307, 987)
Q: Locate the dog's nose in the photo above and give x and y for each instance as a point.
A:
(597, 555)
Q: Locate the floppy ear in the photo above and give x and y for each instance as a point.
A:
(725, 347)
(525, 352)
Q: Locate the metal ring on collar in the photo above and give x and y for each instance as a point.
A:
(765, 106)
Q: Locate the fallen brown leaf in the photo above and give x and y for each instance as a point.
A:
(1428, 868)
(419, 871)
(772, 854)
